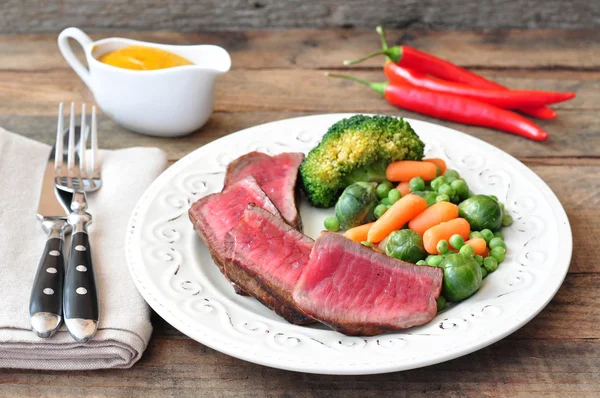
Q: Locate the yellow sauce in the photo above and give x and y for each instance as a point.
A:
(143, 58)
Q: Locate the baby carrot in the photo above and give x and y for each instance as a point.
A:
(478, 244)
(359, 234)
(434, 215)
(438, 162)
(405, 170)
(404, 188)
(396, 216)
(444, 231)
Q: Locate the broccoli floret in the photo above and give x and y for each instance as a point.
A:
(356, 149)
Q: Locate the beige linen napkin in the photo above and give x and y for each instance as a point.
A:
(124, 327)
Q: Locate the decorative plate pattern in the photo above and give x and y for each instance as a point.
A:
(175, 274)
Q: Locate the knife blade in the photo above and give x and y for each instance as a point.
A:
(45, 303)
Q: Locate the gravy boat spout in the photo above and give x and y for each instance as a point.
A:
(163, 102)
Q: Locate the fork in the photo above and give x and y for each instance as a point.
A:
(80, 175)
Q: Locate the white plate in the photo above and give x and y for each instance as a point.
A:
(175, 274)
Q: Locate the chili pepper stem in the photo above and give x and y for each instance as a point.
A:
(381, 33)
(393, 53)
(379, 87)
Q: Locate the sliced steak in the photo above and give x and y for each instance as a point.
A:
(359, 291)
(216, 214)
(264, 254)
(276, 175)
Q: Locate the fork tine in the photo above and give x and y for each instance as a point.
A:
(71, 150)
(82, 155)
(58, 151)
(94, 158)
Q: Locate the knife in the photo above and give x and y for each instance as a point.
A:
(45, 304)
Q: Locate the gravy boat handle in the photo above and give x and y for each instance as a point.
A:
(67, 52)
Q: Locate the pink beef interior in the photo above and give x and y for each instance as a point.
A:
(346, 283)
(218, 213)
(271, 249)
(276, 175)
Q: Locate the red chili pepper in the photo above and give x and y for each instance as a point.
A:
(454, 108)
(414, 59)
(508, 99)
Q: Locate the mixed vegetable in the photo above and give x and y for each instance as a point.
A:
(417, 210)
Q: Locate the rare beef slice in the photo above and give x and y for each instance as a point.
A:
(359, 291)
(216, 214)
(267, 255)
(276, 175)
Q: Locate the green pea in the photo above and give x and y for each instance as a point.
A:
(501, 206)
(438, 182)
(379, 210)
(368, 244)
(442, 198)
(421, 262)
(385, 201)
(495, 242)
(507, 219)
(479, 259)
(498, 253)
(457, 241)
(446, 189)
(332, 224)
(490, 264)
(394, 195)
(461, 188)
(487, 235)
(441, 303)
(484, 272)
(475, 235)
(451, 174)
(416, 184)
(434, 260)
(442, 246)
(467, 250)
(383, 189)
(499, 235)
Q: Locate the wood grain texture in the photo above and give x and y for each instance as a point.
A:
(17, 16)
(175, 368)
(319, 49)
(278, 75)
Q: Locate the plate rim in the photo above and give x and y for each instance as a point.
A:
(532, 310)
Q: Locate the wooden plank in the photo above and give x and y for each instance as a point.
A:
(310, 49)
(181, 367)
(42, 16)
(37, 93)
(574, 134)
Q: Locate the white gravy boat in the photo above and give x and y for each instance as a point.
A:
(165, 102)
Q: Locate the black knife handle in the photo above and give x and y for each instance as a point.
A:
(45, 303)
(80, 295)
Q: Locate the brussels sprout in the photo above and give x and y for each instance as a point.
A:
(429, 196)
(481, 212)
(405, 245)
(462, 276)
(356, 204)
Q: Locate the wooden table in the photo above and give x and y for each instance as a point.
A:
(279, 74)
